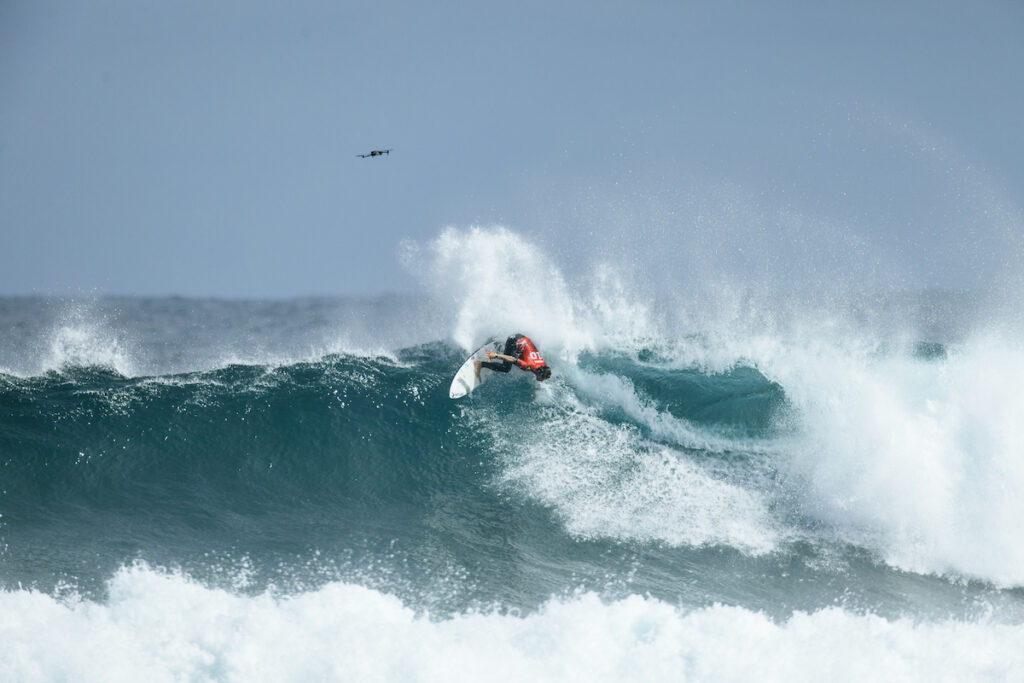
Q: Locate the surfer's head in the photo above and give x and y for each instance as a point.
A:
(542, 373)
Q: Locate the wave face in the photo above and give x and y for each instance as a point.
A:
(189, 486)
(356, 451)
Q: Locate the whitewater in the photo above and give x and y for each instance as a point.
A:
(717, 484)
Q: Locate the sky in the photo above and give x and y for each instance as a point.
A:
(209, 148)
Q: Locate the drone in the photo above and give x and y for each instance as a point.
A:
(375, 153)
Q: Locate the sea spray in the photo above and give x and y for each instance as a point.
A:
(163, 626)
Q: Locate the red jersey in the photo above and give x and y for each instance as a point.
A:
(529, 357)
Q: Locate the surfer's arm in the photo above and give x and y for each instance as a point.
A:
(503, 366)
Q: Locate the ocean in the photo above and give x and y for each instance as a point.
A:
(709, 488)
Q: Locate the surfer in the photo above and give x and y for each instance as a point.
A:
(521, 351)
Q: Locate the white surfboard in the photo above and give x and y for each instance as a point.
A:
(466, 379)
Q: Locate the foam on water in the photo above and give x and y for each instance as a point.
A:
(160, 626)
(917, 459)
(607, 481)
(920, 460)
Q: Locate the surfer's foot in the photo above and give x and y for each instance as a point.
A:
(476, 369)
